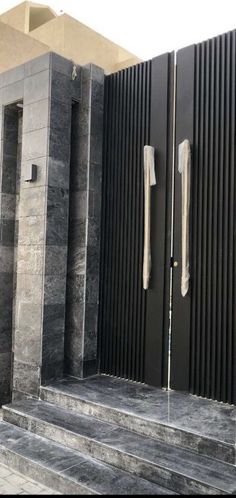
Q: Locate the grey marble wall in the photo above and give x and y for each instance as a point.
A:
(8, 168)
(52, 289)
(84, 231)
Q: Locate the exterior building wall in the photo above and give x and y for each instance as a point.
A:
(64, 35)
(27, 48)
(18, 17)
(37, 314)
(61, 34)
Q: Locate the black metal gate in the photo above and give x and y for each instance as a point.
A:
(133, 323)
(204, 322)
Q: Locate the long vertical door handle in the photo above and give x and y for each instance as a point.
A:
(149, 181)
(184, 167)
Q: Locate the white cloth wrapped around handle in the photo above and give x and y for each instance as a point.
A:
(149, 181)
(184, 167)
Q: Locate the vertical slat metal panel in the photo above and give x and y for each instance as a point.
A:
(212, 327)
(122, 299)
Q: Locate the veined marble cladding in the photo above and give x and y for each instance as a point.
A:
(84, 227)
(47, 90)
(8, 184)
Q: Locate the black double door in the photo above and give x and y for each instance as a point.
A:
(161, 103)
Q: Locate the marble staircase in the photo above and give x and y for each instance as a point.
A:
(109, 436)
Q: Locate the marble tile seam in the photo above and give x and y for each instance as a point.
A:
(24, 75)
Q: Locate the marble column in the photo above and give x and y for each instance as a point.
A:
(56, 292)
(84, 229)
(43, 223)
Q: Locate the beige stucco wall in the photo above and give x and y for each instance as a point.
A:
(18, 17)
(17, 48)
(76, 41)
(62, 34)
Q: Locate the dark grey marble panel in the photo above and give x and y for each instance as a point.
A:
(90, 344)
(9, 152)
(60, 120)
(8, 206)
(97, 102)
(91, 317)
(6, 259)
(10, 130)
(56, 231)
(8, 175)
(61, 65)
(61, 136)
(77, 233)
(77, 260)
(56, 260)
(54, 289)
(75, 289)
(95, 204)
(53, 341)
(58, 173)
(53, 370)
(81, 149)
(92, 289)
(53, 322)
(7, 232)
(78, 176)
(37, 87)
(95, 149)
(6, 366)
(78, 205)
(61, 86)
(95, 177)
(26, 377)
(93, 72)
(59, 152)
(6, 283)
(6, 329)
(90, 368)
(93, 260)
(57, 202)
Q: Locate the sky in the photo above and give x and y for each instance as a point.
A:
(148, 28)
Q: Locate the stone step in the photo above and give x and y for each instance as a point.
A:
(64, 470)
(178, 419)
(173, 468)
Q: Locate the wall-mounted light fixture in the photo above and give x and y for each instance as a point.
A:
(30, 173)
